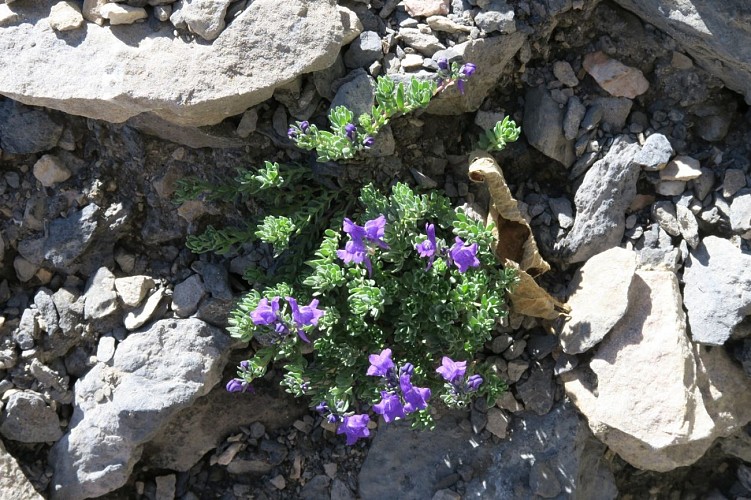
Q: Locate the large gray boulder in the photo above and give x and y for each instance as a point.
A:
(116, 72)
(711, 32)
(123, 405)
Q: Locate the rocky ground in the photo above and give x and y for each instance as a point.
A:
(632, 170)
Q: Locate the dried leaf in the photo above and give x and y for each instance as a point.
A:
(515, 243)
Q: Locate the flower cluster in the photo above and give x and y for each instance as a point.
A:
(459, 386)
(239, 384)
(354, 426)
(267, 314)
(400, 397)
(459, 254)
(453, 73)
(356, 250)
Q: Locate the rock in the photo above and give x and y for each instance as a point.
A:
(542, 481)
(351, 24)
(600, 217)
(663, 212)
(12, 478)
(100, 298)
(497, 422)
(28, 419)
(565, 73)
(537, 392)
(655, 153)
(717, 292)
(203, 426)
(25, 270)
(316, 489)
(7, 16)
(50, 170)
(65, 16)
(569, 451)
(424, 43)
(705, 30)
(599, 300)
(364, 51)
(247, 123)
(28, 329)
(681, 168)
(163, 12)
(105, 349)
(659, 403)
(615, 77)
(441, 23)
(25, 130)
(118, 13)
(165, 487)
(417, 8)
(615, 111)
(358, 94)
(174, 362)
(735, 180)
(497, 16)
(187, 295)
(563, 211)
(575, 112)
(671, 188)
(202, 17)
(491, 56)
(714, 122)
(91, 11)
(688, 225)
(740, 213)
(114, 75)
(543, 126)
(140, 316)
(133, 289)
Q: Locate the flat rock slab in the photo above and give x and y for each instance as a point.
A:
(599, 298)
(12, 479)
(154, 374)
(116, 72)
(659, 402)
(717, 294)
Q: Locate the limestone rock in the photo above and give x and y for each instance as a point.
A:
(92, 10)
(659, 403)
(133, 289)
(740, 213)
(28, 418)
(202, 17)
(615, 77)
(50, 170)
(707, 31)
(7, 16)
(174, 363)
(682, 168)
(600, 215)
(426, 8)
(599, 300)
(146, 312)
(565, 73)
(543, 126)
(491, 55)
(717, 294)
(115, 74)
(12, 478)
(119, 13)
(65, 16)
(100, 298)
(655, 153)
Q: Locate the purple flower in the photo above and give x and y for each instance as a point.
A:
(265, 313)
(416, 397)
(238, 385)
(464, 256)
(428, 247)
(451, 370)
(375, 229)
(380, 364)
(407, 368)
(443, 64)
(351, 130)
(322, 407)
(353, 230)
(355, 427)
(460, 86)
(468, 70)
(390, 407)
(474, 382)
(354, 251)
(368, 142)
(292, 133)
(305, 126)
(305, 315)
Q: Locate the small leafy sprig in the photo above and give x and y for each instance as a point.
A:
(349, 134)
(502, 133)
(391, 289)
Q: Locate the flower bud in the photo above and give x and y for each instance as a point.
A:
(351, 131)
(292, 133)
(305, 126)
(474, 382)
(468, 70)
(368, 142)
(443, 63)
